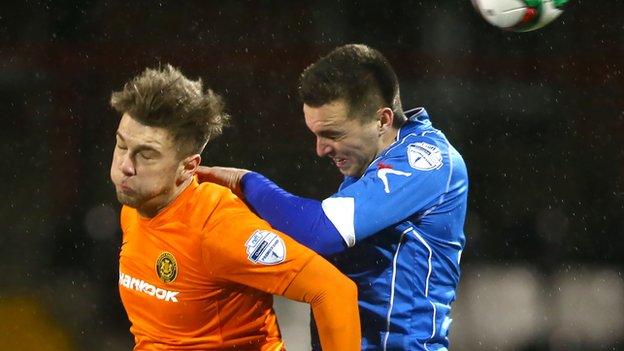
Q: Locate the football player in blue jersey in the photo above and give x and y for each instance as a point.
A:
(395, 226)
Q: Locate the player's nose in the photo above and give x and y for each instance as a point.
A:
(126, 166)
(322, 147)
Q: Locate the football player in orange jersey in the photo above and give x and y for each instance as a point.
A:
(197, 269)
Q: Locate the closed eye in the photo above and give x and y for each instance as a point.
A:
(147, 155)
(331, 135)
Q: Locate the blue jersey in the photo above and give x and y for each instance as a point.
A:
(403, 220)
(398, 231)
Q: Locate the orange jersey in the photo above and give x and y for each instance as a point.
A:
(200, 275)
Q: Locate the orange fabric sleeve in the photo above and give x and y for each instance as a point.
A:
(241, 248)
(333, 298)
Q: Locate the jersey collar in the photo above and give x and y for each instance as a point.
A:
(417, 120)
(166, 214)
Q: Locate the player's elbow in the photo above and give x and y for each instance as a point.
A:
(350, 294)
(334, 301)
(341, 291)
(337, 316)
(330, 243)
(338, 290)
(344, 293)
(349, 290)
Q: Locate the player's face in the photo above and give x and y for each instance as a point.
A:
(349, 142)
(146, 166)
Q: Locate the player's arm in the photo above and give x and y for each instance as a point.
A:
(333, 299)
(380, 198)
(239, 247)
(303, 219)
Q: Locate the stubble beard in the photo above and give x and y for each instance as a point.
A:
(127, 200)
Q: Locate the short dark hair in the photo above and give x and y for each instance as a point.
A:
(164, 97)
(359, 74)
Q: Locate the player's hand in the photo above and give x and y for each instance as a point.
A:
(225, 176)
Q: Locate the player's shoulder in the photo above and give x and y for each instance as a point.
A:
(417, 150)
(208, 197)
(432, 137)
(231, 226)
(217, 205)
(211, 193)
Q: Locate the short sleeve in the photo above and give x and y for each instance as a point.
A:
(241, 248)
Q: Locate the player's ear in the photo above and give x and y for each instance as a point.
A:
(386, 118)
(189, 166)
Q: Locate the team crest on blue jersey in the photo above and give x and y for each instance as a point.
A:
(424, 156)
(166, 267)
(265, 247)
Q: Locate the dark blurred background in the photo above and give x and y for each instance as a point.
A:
(538, 116)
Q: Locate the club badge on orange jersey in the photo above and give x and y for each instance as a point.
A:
(166, 267)
(265, 247)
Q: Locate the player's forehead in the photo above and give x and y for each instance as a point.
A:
(330, 116)
(132, 132)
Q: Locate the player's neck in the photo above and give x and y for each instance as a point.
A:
(388, 138)
(159, 203)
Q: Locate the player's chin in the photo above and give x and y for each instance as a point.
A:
(126, 199)
(355, 171)
(343, 169)
(349, 172)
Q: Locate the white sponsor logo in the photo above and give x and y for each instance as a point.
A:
(265, 247)
(147, 288)
(383, 175)
(424, 157)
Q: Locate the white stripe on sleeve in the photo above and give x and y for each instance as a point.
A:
(341, 212)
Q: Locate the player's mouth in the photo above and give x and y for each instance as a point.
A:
(125, 188)
(339, 162)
